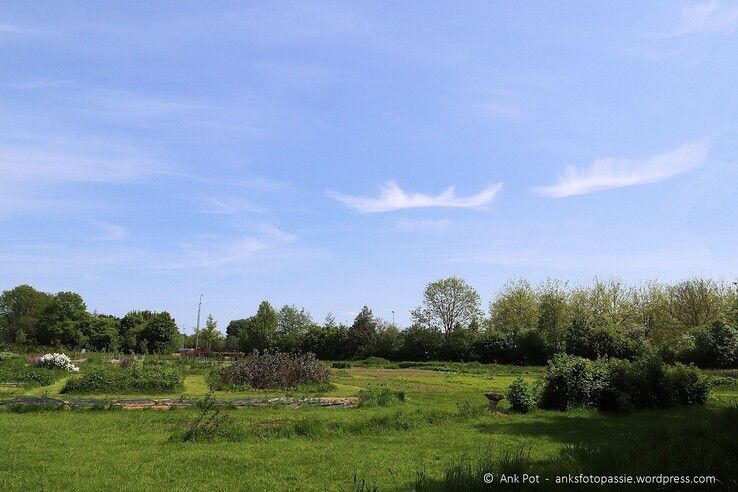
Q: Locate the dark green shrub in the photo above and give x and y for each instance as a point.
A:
(136, 379)
(715, 345)
(689, 385)
(15, 371)
(380, 397)
(620, 385)
(520, 396)
(341, 365)
(571, 382)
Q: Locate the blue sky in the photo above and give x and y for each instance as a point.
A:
(333, 155)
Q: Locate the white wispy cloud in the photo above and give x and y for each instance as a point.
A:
(15, 29)
(608, 173)
(392, 197)
(229, 206)
(263, 244)
(706, 17)
(73, 162)
(109, 232)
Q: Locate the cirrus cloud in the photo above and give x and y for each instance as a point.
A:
(392, 197)
(608, 173)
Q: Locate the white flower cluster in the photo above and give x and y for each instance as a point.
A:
(57, 361)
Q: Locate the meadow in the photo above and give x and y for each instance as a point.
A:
(440, 437)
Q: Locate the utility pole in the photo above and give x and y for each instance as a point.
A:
(197, 329)
(393, 318)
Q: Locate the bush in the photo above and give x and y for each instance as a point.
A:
(16, 372)
(715, 345)
(620, 385)
(520, 397)
(137, 379)
(341, 365)
(690, 386)
(273, 370)
(571, 382)
(380, 397)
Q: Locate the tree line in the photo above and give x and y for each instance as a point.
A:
(34, 318)
(690, 321)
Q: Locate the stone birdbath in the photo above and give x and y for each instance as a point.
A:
(494, 399)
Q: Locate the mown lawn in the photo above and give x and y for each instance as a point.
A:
(307, 448)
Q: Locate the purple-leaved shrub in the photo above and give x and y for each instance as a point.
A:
(275, 370)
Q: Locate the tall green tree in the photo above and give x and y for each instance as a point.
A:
(210, 337)
(447, 303)
(62, 320)
(20, 311)
(515, 309)
(362, 331)
(102, 333)
(260, 330)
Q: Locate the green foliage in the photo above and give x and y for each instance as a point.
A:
(447, 303)
(15, 371)
(147, 331)
(380, 397)
(620, 385)
(62, 320)
(715, 345)
(145, 378)
(571, 382)
(260, 330)
(362, 332)
(520, 396)
(421, 343)
(102, 333)
(20, 311)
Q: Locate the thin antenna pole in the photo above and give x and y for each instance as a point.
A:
(197, 329)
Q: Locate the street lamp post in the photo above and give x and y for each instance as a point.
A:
(197, 328)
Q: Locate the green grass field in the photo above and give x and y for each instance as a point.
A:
(280, 448)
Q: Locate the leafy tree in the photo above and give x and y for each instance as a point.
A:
(160, 333)
(716, 345)
(362, 331)
(387, 341)
(131, 327)
(651, 305)
(61, 319)
(210, 337)
(554, 315)
(290, 319)
(101, 333)
(422, 343)
(235, 327)
(260, 330)
(20, 311)
(515, 309)
(695, 302)
(330, 341)
(447, 304)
